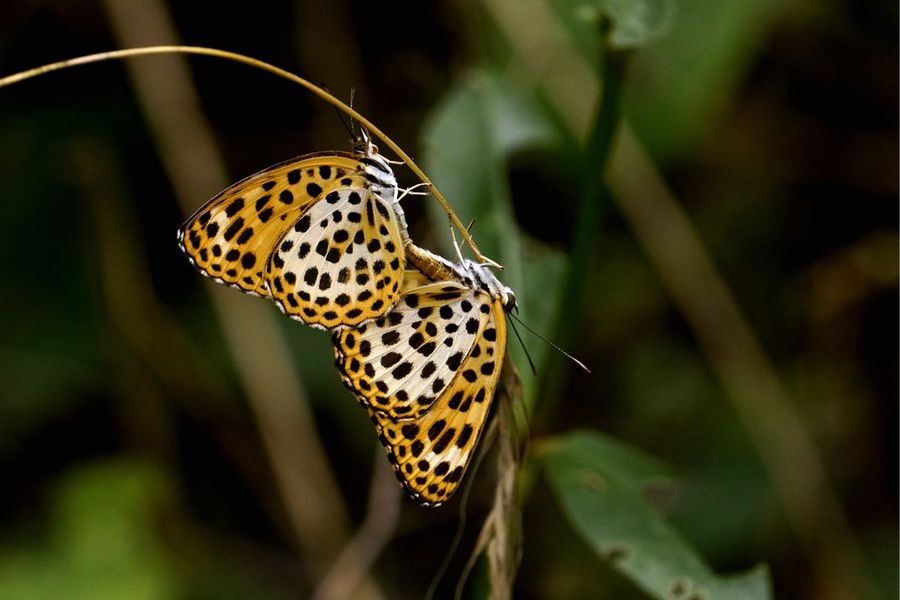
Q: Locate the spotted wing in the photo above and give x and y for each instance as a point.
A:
(400, 364)
(430, 453)
(231, 237)
(342, 262)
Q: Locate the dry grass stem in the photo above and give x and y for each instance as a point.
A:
(377, 529)
(792, 461)
(191, 158)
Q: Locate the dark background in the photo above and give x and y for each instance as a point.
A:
(133, 461)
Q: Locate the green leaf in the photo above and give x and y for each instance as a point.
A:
(601, 485)
(102, 541)
(629, 24)
(467, 141)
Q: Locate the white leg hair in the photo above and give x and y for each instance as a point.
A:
(411, 191)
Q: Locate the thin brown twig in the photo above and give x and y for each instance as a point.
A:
(275, 394)
(377, 529)
(500, 538)
(247, 60)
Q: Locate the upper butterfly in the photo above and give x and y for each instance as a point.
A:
(427, 371)
(322, 235)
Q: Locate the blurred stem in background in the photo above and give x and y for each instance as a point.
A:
(592, 207)
(795, 468)
(763, 159)
(317, 514)
(376, 530)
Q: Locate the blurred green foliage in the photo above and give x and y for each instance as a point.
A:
(101, 540)
(695, 71)
(631, 24)
(775, 125)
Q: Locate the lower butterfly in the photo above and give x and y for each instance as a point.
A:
(427, 371)
(322, 235)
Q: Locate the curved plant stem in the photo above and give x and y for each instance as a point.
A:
(500, 538)
(377, 529)
(253, 62)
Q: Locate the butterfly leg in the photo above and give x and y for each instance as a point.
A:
(411, 191)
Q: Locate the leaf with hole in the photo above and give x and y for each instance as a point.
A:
(601, 485)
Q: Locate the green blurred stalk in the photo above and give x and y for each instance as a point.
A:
(593, 207)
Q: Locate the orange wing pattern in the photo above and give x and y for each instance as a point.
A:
(230, 238)
(394, 364)
(342, 262)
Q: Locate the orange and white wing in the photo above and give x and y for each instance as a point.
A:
(231, 237)
(402, 362)
(342, 262)
(310, 233)
(431, 451)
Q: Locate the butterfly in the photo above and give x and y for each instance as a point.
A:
(426, 371)
(322, 235)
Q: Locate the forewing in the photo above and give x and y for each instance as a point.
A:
(231, 237)
(401, 363)
(342, 262)
(431, 453)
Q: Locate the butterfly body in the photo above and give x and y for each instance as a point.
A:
(468, 272)
(324, 237)
(426, 372)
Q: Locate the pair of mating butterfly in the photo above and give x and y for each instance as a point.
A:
(324, 237)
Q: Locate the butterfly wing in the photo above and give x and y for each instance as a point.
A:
(342, 262)
(230, 238)
(431, 451)
(401, 363)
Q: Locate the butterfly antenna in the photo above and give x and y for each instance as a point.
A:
(341, 115)
(554, 346)
(361, 139)
(352, 121)
(524, 348)
(487, 262)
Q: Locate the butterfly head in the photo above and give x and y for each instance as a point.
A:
(510, 303)
(362, 142)
(484, 278)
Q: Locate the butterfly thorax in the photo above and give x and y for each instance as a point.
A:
(469, 273)
(380, 176)
(382, 182)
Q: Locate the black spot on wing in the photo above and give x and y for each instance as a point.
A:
(234, 207)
